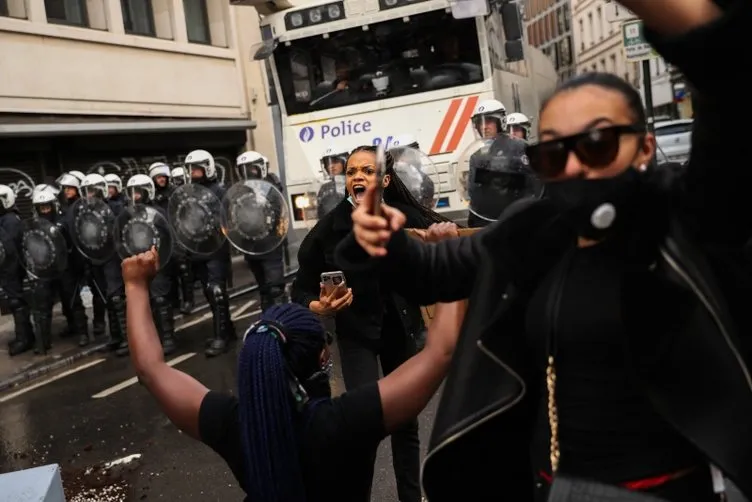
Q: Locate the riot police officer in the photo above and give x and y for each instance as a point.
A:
(44, 287)
(518, 125)
(268, 269)
(11, 272)
(178, 177)
(159, 172)
(499, 172)
(422, 188)
(333, 189)
(106, 268)
(141, 190)
(213, 271)
(182, 269)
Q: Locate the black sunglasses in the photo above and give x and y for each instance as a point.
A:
(596, 148)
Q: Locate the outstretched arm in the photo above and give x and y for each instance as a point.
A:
(179, 395)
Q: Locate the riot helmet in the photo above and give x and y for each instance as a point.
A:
(488, 119)
(518, 125)
(159, 172)
(114, 184)
(252, 165)
(94, 185)
(333, 161)
(178, 176)
(70, 186)
(44, 186)
(44, 203)
(200, 165)
(7, 197)
(78, 174)
(141, 189)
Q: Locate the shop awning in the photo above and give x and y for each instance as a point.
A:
(120, 126)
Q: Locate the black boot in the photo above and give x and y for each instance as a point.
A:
(117, 307)
(81, 325)
(99, 326)
(24, 340)
(224, 331)
(43, 321)
(187, 287)
(165, 324)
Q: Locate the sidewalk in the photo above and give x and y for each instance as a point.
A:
(65, 351)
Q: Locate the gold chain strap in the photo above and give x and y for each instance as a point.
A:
(553, 414)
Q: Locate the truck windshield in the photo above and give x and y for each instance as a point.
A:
(393, 58)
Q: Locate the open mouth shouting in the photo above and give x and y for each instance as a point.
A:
(359, 191)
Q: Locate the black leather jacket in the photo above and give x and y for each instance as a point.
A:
(685, 302)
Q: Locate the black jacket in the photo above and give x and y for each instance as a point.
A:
(372, 297)
(685, 300)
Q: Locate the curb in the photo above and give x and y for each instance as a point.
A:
(66, 360)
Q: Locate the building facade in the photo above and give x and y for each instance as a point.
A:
(598, 47)
(549, 27)
(113, 85)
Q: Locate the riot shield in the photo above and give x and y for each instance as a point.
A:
(3, 254)
(194, 213)
(255, 217)
(44, 251)
(138, 228)
(419, 175)
(93, 221)
(330, 193)
(492, 174)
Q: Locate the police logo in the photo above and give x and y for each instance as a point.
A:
(481, 109)
(306, 134)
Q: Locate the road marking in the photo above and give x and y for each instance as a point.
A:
(198, 320)
(243, 308)
(50, 380)
(134, 380)
(245, 316)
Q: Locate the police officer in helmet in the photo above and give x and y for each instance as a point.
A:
(184, 277)
(11, 272)
(518, 126)
(332, 191)
(499, 172)
(423, 189)
(214, 271)
(268, 269)
(141, 191)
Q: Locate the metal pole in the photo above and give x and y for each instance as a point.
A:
(647, 86)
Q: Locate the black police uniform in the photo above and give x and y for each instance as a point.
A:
(269, 269)
(43, 293)
(213, 274)
(497, 178)
(180, 267)
(11, 280)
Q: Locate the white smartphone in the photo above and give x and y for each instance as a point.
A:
(331, 280)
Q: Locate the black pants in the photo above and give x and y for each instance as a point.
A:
(360, 366)
(269, 272)
(162, 284)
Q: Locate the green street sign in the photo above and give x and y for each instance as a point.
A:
(636, 47)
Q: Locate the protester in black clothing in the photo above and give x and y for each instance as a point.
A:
(610, 315)
(372, 324)
(284, 437)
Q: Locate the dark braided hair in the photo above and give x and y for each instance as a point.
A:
(269, 423)
(397, 192)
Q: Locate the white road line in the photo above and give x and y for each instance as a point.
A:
(133, 380)
(198, 320)
(50, 380)
(243, 308)
(245, 316)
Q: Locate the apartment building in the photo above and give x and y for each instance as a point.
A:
(113, 85)
(549, 27)
(598, 47)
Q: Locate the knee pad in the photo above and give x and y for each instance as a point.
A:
(217, 293)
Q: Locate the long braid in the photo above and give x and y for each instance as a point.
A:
(269, 428)
(397, 192)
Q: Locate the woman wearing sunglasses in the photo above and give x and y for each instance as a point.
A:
(604, 337)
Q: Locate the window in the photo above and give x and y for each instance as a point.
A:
(66, 12)
(582, 35)
(393, 58)
(591, 36)
(613, 64)
(601, 24)
(138, 17)
(197, 21)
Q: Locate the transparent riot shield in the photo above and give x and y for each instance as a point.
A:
(329, 193)
(138, 228)
(493, 174)
(255, 217)
(93, 222)
(194, 213)
(419, 174)
(44, 251)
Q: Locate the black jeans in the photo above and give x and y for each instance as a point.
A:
(360, 366)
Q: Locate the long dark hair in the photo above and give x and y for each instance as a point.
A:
(269, 424)
(606, 81)
(397, 192)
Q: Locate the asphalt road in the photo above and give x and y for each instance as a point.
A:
(93, 414)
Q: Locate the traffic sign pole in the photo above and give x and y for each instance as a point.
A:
(647, 85)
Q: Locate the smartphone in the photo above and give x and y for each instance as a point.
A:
(380, 173)
(331, 280)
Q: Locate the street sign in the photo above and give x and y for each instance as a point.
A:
(636, 47)
(616, 13)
